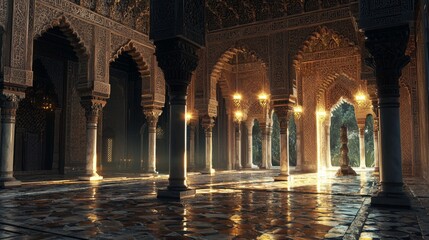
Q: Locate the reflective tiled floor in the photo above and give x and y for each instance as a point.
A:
(228, 205)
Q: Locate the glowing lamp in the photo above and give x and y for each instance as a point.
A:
(238, 116)
(297, 111)
(360, 98)
(236, 98)
(263, 99)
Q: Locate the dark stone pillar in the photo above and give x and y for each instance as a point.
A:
(177, 58)
(283, 115)
(387, 46)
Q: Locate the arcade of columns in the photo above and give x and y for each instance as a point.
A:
(314, 66)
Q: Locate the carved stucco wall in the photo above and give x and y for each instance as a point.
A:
(75, 139)
(227, 13)
(409, 115)
(422, 77)
(97, 41)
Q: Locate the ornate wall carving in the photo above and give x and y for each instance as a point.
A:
(227, 13)
(131, 13)
(4, 4)
(75, 129)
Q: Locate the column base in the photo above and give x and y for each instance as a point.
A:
(8, 183)
(149, 174)
(383, 199)
(281, 177)
(176, 194)
(91, 178)
(251, 167)
(345, 171)
(208, 171)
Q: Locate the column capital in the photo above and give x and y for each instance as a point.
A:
(92, 107)
(208, 123)
(387, 47)
(152, 116)
(283, 113)
(178, 59)
(9, 101)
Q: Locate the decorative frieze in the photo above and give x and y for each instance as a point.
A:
(88, 15)
(261, 29)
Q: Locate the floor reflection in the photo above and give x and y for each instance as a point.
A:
(241, 205)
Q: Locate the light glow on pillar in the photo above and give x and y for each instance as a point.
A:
(188, 117)
(321, 114)
(297, 111)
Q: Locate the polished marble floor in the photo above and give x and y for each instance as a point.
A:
(228, 205)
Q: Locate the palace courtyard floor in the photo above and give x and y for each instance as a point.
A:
(228, 205)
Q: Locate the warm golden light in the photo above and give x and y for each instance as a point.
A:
(321, 114)
(297, 111)
(263, 99)
(237, 99)
(188, 117)
(238, 116)
(360, 98)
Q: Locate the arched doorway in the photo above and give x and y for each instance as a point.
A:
(344, 114)
(123, 119)
(40, 138)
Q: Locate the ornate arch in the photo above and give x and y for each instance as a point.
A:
(340, 101)
(215, 74)
(323, 39)
(136, 55)
(332, 80)
(68, 30)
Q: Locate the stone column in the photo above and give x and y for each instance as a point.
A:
(387, 46)
(92, 108)
(191, 163)
(152, 116)
(9, 105)
(208, 124)
(142, 146)
(249, 162)
(283, 115)
(269, 146)
(264, 145)
(238, 146)
(376, 150)
(362, 147)
(178, 59)
(231, 140)
(298, 145)
(328, 144)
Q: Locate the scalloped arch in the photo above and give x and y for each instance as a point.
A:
(215, 75)
(136, 55)
(72, 35)
(330, 81)
(337, 41)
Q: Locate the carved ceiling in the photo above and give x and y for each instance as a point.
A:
(228, 13)
(132, 13)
